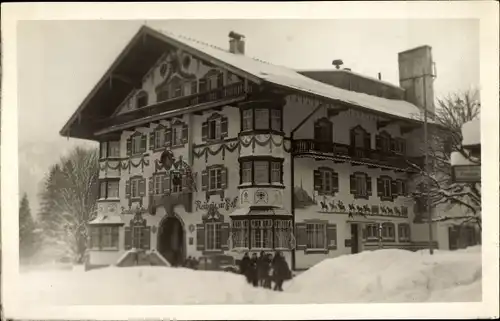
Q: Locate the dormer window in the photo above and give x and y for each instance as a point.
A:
(141, 99)
(383, 142)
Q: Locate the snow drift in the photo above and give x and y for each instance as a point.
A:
(375, 276)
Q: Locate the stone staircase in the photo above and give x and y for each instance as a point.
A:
(136, 257)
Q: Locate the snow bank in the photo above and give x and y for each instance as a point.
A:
(377, 276)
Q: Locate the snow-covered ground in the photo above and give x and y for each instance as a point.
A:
(378, 276)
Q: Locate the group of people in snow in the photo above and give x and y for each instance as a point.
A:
(265, 269)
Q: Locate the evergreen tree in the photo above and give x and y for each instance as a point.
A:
(26, 229)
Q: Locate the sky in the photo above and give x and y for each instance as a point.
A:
(60, 61)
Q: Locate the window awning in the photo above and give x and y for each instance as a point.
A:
(107, 219)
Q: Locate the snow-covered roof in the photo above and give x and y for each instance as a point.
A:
(457, 159)
(107, 219)
(289, 78)
(471, 132)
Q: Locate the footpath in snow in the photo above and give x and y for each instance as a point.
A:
(373, 276)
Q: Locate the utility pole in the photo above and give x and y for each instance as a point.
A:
(427, 171)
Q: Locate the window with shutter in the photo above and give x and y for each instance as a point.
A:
(135, 187)
(384, 185)
(316, 236)
(204, 180)
(359, 184)
(200, 237)
(128, 238)
(225, 236)
(127, 189)
(136, 143)
(214, 128)
(144, 143)
(204, 131)
(224, 127)
(213, 236)
(394, 189)
(247, 119)
(177, 135)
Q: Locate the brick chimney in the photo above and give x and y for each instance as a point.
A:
(416, 76)
(236, 43)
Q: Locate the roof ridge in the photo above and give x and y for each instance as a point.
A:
(211, 45)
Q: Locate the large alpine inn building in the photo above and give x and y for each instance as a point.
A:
(200, 148)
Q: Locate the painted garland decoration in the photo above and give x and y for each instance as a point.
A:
(245, 141)
(124, 163)
(362, 210)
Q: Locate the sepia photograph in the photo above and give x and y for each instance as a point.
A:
(249, 162)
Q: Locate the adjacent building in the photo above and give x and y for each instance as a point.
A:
(208, 151)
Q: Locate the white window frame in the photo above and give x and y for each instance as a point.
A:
(110, 184)
(262, 234)
(256, 175)
(372, 232)
(261, 122)
(312, 231)
(158, 184)
(326, 175)
(136, 144)
(113, 149)
(276, 172)
(134, 187)
(282, 234)
(405, 237)
(386, 187)
(361, 189)
(159, 138)
(240, 234)
(173, 187)
(214, 179)
(386, 228)
(246, 172)
(177, 134)
(276, 117)
(247, 119)
(215, 130)
(213, 236)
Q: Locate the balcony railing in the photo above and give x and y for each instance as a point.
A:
(348, 152)
(220, 94)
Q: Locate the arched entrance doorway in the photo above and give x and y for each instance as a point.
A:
(171, 240)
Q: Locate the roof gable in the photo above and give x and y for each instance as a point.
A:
(148, 45)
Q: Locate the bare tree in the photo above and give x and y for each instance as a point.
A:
(446, 137)
(69, 201)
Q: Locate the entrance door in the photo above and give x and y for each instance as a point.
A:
(354, 239)
(171, 241)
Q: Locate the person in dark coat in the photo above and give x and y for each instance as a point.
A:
(252, 270)
(268, 271)
(280, 271)
(261, 268)
(244, 265)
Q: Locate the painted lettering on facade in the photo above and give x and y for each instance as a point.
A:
(227, 204)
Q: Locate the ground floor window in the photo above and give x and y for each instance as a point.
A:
(404, 232)
(316, 235)
(372, 232)
(138, 235)
(282, 234)
(104, 237)
(388, 232)
(261, 235)
(213, 236)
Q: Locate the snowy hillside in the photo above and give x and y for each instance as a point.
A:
(379, 276)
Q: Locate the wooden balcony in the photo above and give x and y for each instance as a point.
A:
(221, 95)
(347, 153)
